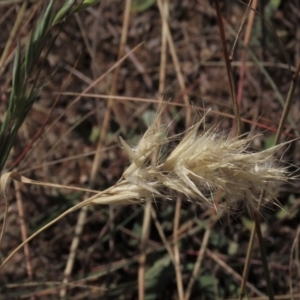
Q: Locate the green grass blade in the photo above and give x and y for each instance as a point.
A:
(17, 78)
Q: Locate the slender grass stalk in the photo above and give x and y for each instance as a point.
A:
(263, 255)
(247, 259)
(229, 69)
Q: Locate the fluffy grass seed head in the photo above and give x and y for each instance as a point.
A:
(200, 165)
(208, 162)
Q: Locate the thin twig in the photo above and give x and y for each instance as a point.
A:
(73, 248)
(240, 29)
(163, 54)
(112, 104)
(231, 271)
(251, 11)
(248, 257)
(176, 250)
(175, 62)
(263, 255)
(143, 253)
(162, 235)
(24, 233)
(229, 69)
(198, 263)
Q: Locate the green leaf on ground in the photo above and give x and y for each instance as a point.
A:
(141, 5)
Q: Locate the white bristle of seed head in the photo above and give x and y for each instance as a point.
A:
(201, 164)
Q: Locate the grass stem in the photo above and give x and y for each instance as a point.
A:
(263, 255)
